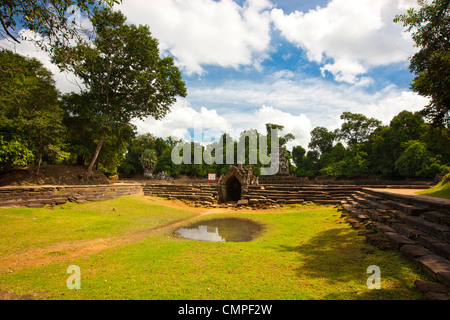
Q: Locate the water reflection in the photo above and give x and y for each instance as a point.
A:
(221, 230)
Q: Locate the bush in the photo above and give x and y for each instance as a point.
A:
(15, 153)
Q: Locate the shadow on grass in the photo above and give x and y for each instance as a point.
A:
(340, 258)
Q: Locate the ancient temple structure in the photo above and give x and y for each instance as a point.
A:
(283, 169)
(233, 185)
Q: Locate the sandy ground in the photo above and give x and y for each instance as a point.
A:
(413, 192)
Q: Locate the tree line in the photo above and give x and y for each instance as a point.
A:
(407, 147)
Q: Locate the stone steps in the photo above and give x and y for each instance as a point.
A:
(51, 195)
(257, 194)
(199, 194)
(423, 236)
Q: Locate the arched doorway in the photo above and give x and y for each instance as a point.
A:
(233, 187)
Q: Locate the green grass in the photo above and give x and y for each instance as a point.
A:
(27, 228)
(303, 253)
(441, 190)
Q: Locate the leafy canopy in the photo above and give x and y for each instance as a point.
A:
(51, 19)
(30, 114)
(356, 128)
(431, 65)
(123, 73)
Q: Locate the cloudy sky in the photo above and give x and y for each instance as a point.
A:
(297, 63)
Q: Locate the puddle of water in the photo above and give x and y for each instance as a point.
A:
(222, 230)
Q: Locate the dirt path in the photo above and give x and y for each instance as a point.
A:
(66, 250)
(413, 192)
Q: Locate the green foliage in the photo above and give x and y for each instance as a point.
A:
(298, 155)
(148, 160)
(131, 163)
(438, 141)
(431, 64)
(30, 112)
(114, 148)
(356, 128)
(408, 147)
(49, 18)
(417, 161)
(283, 139)
(354, 164)
(166, 164)
(386, 144)
(322, 139)
(15, 153)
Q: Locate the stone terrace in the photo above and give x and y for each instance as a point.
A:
(202, 194)
(39, 196)
(417, 226)
(257, 195)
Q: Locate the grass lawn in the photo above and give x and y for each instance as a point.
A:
(305, 252)
(441, 190)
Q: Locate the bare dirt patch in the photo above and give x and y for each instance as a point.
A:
(51, 175)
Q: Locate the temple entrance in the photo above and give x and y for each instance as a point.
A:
(233, 187)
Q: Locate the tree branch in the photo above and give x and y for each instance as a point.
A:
(6, 29)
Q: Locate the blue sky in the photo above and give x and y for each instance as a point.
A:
(292, 62)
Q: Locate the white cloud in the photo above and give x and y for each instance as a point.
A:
(354, 34)
(320, 101)
(299, 125)
(206, 32)
(390, 102)
(182, 118)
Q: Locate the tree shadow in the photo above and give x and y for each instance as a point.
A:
(340, 258)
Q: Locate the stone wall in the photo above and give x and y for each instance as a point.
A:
(254, 195)
(38, 196)
(206, 194)
(304, 181)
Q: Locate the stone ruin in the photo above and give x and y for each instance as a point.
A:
(158, 176)
(233, 185)
(283, 169)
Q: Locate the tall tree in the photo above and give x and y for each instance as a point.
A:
(298, 155)
(321, 139)
(386, 143)
(356, 128)
(431, 65)
(148, 161)
(125, 77)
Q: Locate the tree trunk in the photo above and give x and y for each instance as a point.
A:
(90, 173)
(39, 163)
